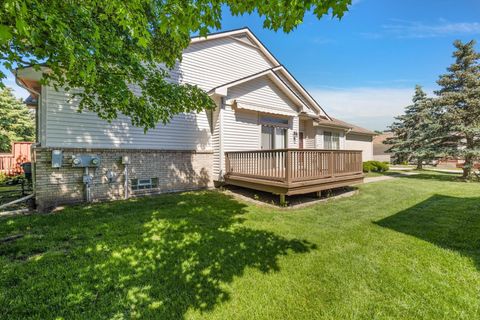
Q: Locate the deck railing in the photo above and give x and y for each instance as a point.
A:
(293, 165)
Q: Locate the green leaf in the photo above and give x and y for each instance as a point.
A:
(5, 34)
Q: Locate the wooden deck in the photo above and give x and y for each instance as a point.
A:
(293, 171)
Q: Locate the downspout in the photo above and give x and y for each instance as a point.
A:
(220, 137)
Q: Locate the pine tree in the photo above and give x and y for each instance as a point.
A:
(459, 104)
(413, 131)
(16, 121)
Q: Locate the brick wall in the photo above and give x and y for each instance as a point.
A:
(175, 171)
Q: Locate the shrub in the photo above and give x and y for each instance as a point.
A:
(375, 166)
(3, 178)
(11, 180)
(367, 167)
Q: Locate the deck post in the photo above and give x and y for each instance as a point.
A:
(288, 167)
(282, 199)
(330, 164)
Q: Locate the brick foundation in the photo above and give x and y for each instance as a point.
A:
(175, 170)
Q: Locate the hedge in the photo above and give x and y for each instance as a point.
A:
(375, 166)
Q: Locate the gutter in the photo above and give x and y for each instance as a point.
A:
(22, 85)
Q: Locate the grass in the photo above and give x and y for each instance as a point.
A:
(406, 248)
(373, 174)
(9, 193)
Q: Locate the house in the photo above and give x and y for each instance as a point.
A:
(380, 149)
(356, 138)
(267, 133)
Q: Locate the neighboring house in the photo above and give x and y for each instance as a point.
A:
(261, 107)
(380, 149)
(452, 162)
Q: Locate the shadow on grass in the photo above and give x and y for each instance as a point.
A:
(436, 176)
(149, 258)
(448, 222)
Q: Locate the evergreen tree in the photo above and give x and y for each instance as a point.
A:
(413, 131)
(16, 121)
(459, 105)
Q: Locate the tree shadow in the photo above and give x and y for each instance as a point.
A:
(448, 222)
(157, 257)
(431, 175)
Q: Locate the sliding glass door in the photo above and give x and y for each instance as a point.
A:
(274, 138)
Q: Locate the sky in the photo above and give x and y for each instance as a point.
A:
(364, 67)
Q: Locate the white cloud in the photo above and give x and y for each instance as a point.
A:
(416, 29)
(373, 108)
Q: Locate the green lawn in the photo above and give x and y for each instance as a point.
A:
(375, 174)
(10, 193)
(406, 248)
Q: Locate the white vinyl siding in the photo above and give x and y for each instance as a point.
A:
(216, 142)
(207, 64)
(212, 63)
(262, 92)
(241, 130)
(306, 126)
(68, 128)
(294, 125)
(360, 142)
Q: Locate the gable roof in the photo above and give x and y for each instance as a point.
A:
(278, 67)
(235, 32)
(356, 129)
(221, 90)
(345, 125)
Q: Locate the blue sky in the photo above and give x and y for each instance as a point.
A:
(364, 67)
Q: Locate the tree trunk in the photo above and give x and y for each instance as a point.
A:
(420, 164)
(467, 167)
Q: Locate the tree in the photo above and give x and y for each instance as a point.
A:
(459, 104)
(106, 47)
(414, 131)
(16, 121)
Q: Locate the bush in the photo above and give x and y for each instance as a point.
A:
(3, 178)
(15, 179)
(375, 166)
(368, 167)
(9, 180)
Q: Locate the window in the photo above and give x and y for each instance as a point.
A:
(331, 140)
(274, 138)
(142, 184)
(274, 132)
(274, 121)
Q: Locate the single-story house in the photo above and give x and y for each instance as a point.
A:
(380, 149)
(266, 133)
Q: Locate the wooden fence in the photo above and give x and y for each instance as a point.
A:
(10, 162)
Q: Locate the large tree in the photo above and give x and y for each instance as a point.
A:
(105, 47)
(16, 121)
(414, 131)
(459, 103)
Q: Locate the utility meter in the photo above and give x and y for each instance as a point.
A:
(85, 161)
